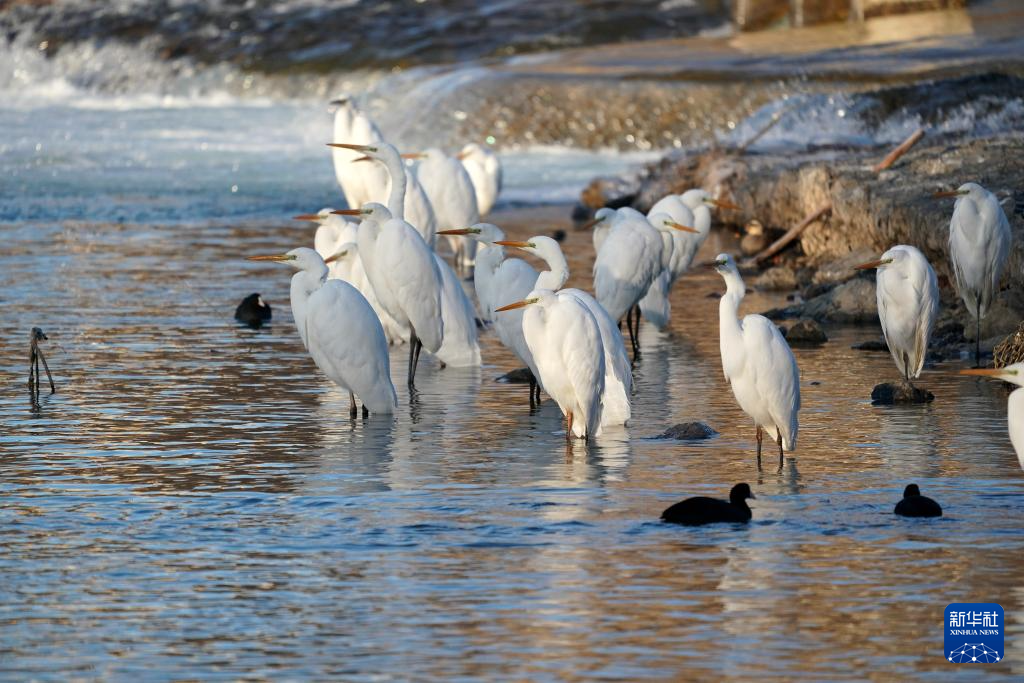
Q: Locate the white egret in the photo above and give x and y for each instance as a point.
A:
(341, 332)
(332, 233)
(618, 377)
(631, 257)
(566, 345)
(908, 305)
(399, 263)
(484, 169)
(691, 208)
(453, 197)
(353, 125)
(979, 245)
(1014, 374)
(759, 365)
(498, 280)
(377, 177)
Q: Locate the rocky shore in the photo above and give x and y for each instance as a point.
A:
(868, 210)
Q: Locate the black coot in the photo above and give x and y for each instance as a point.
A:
(702, 510)
(916, 505)
(253, 311)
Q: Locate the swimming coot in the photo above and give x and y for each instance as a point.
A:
(702, 510)
(916, 505)
(253, 311)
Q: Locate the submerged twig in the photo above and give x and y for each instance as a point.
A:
(903, 148)
(779, 244)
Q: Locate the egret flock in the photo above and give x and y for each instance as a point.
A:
(374, 279)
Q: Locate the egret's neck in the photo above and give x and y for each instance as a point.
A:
(557, 274)
(304, 283)
(729, 328)
(702, 220)
(366, 240)
(396, 197)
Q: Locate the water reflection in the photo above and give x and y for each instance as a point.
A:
(196, 496)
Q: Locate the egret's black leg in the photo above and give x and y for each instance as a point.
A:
(416, 361)
(760, 436)
(977, 338)
(636, 319)
(366, 413)
(533, 383)
(781, 457)
(352, 410)
(412, 353)
(53, 389)
(538, 392)
(568, 427)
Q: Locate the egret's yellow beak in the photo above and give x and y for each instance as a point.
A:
(679, 226)
(461, 155)
(950, 193)
(347, 212)
(306, 217)
(518, 304)
(355, 148)
(722, 204)
(713, 264)
(280, 258)
(519, 245)
(457, 231)
(413, 155)
(335, 256)
(873, 264)
(989, 372)
(591, 223)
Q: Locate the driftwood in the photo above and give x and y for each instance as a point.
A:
(776, 117)
(904, 147)
(780, 244)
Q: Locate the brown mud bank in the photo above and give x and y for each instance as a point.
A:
(868, 211)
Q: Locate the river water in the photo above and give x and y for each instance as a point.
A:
(194, 501)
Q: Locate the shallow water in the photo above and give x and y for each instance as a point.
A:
(194, 501)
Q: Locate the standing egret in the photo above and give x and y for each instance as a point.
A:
(484, 169)
(498, 280)
(908, 305)
(399, 263)
(377, 177)
(566, 345)
(459, 345)
(979, 245)
(352, 124)
(631, 257)
(618, 375)
(759, 365)
(341, 332)
(1014, 374)
(451, 193)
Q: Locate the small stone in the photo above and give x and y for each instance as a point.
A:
(888, 394)
(806, 333)
(688, 431)
(520, 376)
(777, 278)
(871, 345)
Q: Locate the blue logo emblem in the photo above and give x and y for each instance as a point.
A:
(974, 633)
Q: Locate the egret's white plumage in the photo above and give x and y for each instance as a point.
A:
(459, 346)
(758, 363)
(399, 263)
(618, 379)
(352, 125)
(346, 264)
(333, 231)
(451, 194)
(484, 169)
(908, 305)
(979, 245)
(565, 341)
(340, 330)
(629, 259)
(1013, 374)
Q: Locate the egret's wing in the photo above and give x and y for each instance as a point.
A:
(582, 355)
(414, 279)
(346, 341)
(773, 368)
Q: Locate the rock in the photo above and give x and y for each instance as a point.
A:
(777, 278)
(688, 431)
(806, 333)
(891, 394)
(520, 376)
(850, 302)
(871, 345)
